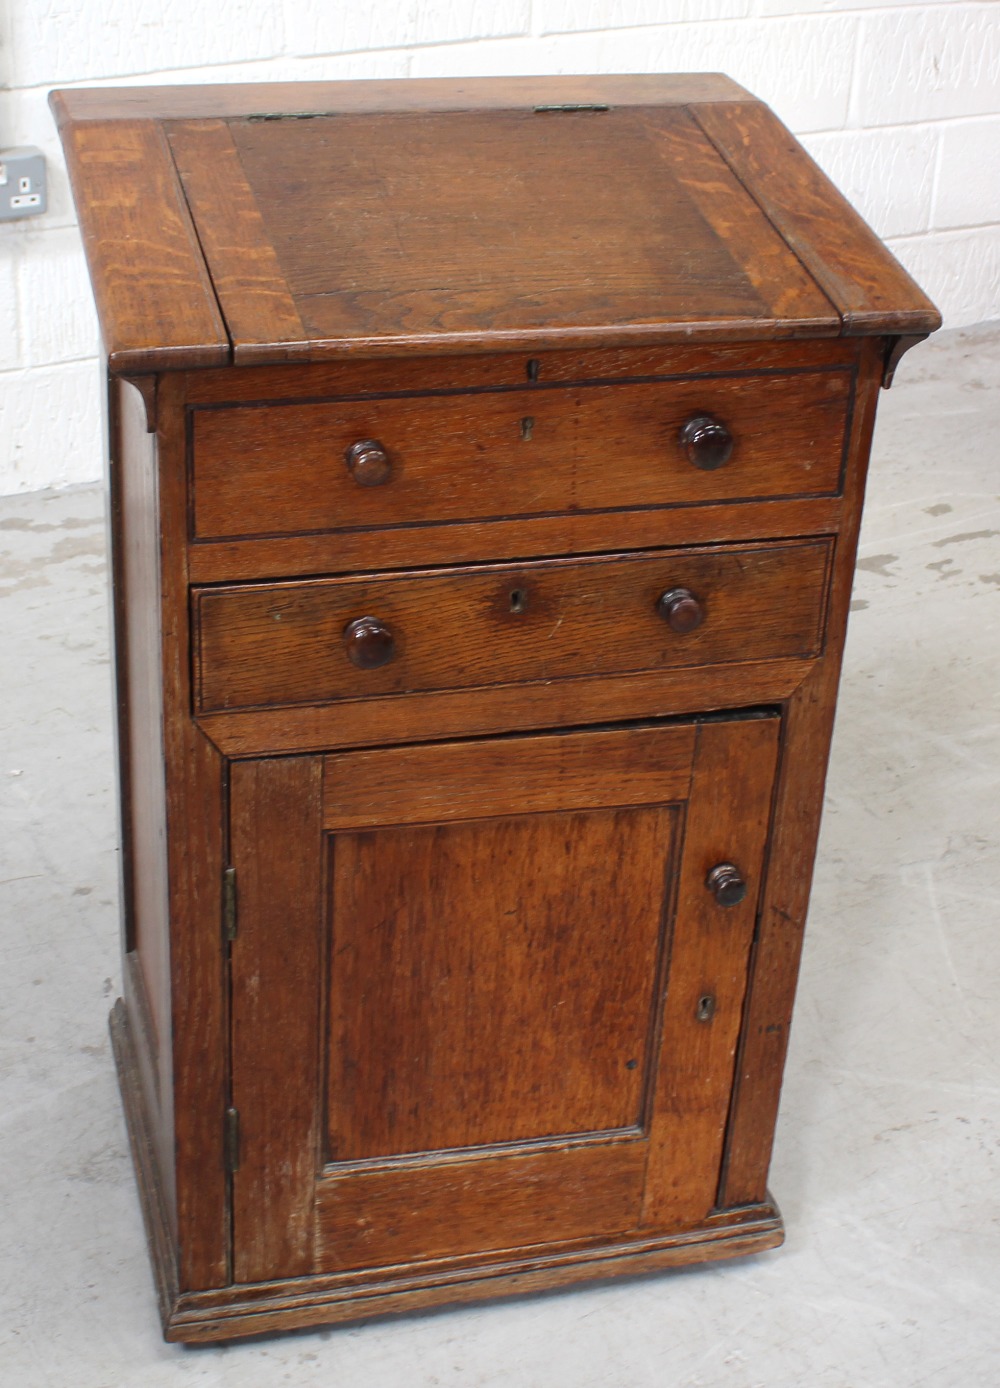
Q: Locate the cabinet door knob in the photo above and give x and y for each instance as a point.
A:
(707, 442)
(681, 610)
(369, 643)
(368, 463)
(727, 884)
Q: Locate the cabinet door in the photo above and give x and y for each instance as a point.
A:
(484, 998)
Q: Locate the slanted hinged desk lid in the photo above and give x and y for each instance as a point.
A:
(302, 222)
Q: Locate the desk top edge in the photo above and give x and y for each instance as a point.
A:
(385, 95)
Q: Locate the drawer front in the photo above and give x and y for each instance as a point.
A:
(273, 644)
(284, 469)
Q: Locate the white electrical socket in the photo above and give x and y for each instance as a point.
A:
(23, 186)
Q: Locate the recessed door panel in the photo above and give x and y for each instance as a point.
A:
(468, 1021)
(492, 981)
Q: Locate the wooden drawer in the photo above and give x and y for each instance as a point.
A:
(280, 469)
(266, 645)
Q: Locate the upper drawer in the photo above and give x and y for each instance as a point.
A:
(282, 469)
(272, 644)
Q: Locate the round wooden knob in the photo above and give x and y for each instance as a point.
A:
(681, 610)
(707, 442)
(369, 643)
(727, 884)
(368, 463)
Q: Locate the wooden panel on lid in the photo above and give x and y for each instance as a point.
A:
(552, 225)
(154, 296)
(872, 291)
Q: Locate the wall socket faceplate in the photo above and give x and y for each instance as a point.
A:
(23, 187)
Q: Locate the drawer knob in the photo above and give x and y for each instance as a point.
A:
(369, 643)
(727, 884)
(368, 463)
(707, 442)
(681, 610)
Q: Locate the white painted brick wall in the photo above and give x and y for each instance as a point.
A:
(928, 64)
(559, 16)
(10, 355)
(968, 190)
(65, 41)
(887, 174)
(50, 423)
(55, 308)
(899, 100)
(800, 67)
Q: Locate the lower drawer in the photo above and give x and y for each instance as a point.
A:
(273, 644)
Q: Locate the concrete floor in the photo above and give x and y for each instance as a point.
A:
(887, 1164)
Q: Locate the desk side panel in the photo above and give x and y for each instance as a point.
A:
(196, 777)
(146, 942)
(173, 796)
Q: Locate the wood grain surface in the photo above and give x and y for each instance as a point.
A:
(663, 210)
(196, 835)
(348, 1296)
(246, 99)
(155, 300)
(636, 235)
(377, 1218)
(514, 453)
(245, 273)
(495, 983)
(531, 775)
(349, 377)
(479, 1019)
(283, 643)
(871, 290)
(491, 982)
(471, 542)
(574, 702)
(727, 821)
(276, 849)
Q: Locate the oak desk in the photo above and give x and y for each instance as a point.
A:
(486, 463)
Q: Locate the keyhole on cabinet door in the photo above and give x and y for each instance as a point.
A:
(518, 600)
(527, 427)
(705, 1010)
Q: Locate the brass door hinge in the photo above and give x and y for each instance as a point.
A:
(231, 1140)
(229, 904)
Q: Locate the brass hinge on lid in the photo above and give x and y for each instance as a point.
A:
(231, 1140)
(229, 904)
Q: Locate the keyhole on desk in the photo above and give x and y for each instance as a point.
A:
(527, 427)
(518, 600)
